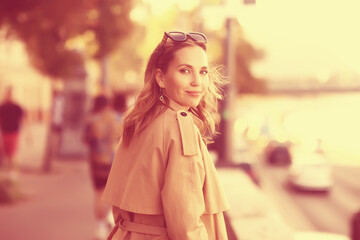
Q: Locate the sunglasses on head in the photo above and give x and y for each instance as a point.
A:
(182, 37)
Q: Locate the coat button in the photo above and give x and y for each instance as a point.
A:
(183, 114)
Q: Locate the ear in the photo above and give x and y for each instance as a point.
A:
(159, 76)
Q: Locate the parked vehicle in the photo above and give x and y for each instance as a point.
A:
(310, 172)
(277, 153)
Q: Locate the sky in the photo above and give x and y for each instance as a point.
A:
(304, 38)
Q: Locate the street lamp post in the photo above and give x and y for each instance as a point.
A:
(224, 141)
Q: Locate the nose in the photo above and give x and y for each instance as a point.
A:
(196, 80)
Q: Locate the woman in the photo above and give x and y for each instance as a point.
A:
(163, 184)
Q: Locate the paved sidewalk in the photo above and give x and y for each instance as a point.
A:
(59, 205)
(55, 206)
(251, 215)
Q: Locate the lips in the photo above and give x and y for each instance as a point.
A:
(194, 93)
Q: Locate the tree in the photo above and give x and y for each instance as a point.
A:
(48, 26)
(45, 26)
(245, 55)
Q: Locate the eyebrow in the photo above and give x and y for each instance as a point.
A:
(190, 66)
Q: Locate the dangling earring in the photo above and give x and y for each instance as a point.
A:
(161, 95)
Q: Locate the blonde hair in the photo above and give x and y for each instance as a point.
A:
(148, 98)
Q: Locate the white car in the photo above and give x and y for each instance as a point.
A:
(310, 172)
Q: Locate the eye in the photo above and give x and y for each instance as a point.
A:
(185, 70)
(204, 72)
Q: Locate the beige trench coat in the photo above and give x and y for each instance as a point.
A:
(164, 185)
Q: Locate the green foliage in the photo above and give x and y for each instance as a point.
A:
(113, 25)
(246, 82)
(46, 25)
(246, 55)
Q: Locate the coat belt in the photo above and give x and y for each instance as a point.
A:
(137, 228)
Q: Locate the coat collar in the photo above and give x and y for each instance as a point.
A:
(177, 107)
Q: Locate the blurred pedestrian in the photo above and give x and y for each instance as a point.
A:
(56, 128)
(11, 116)
(57, 116)
(119, 105)
(163, 183)
(101, 135)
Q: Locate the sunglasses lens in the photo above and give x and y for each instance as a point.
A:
(177, 36)
(181, 37)
(199, 37)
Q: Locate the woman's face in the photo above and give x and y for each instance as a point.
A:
(186, 79)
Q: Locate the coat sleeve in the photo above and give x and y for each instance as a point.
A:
(182, 195)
